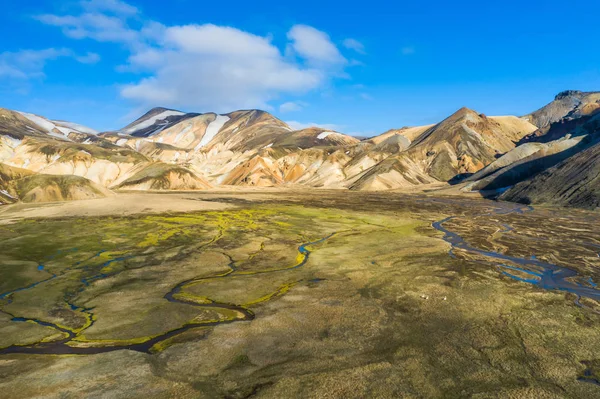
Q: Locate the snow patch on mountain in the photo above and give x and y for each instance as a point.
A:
(151, 121)
(48, 126)
(324, 135)
(63, 130)
(41, 122)
(7, 194)
(211, 131)
(160, 128)
(76, 127)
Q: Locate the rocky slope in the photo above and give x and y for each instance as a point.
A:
(161, 176)
(461, 144)
(50, 188)
(573, 182)
(154, 121)
(537, 154)
(256, 149)
(567, 104)
(8, 175)
(57, 148)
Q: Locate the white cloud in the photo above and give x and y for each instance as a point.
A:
(366, 96)
(217, 68)
(30, 64)
(219, 40)
(314, 45)
(96, 26)
(304, 125)
(207, 67)
(112, 6)
(89, 58)
(292, 106)
(355, 45)
(409, 50)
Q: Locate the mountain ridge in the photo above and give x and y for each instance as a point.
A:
(167, 149)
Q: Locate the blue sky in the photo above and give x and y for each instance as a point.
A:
(361, 69)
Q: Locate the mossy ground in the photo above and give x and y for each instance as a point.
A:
(105, 278)
(351, 322)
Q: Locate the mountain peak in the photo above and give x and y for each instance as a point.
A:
(461, 113)
(159, 110)
(567, 93)
(156, 119)
(162, 109)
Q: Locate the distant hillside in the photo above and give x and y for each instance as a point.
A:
(166, 149)
(48, 188)
(567, 104)
(573, 182)
(160, 176)
(154, 121)
(543, 149)
(463, 143)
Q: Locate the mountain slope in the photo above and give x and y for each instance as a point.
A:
(573, 182)
(171, 150)
(312, 137)
(410, 133)
(15, 126)
(21, 184)
(531, 158)
(238, 131)
(48, 188)
(58, 129)
(247, 130)
(391, 173)
(161, 176)
(569, 103)
(7, 175)
(154, 121)
(463, 143)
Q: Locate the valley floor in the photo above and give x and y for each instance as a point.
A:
(298, 293)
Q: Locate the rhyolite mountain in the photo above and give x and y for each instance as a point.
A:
(167, 149)
(573, 182)
(569, 104)
(570, 175)
(568, 126)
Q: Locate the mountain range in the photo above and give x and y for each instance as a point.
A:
(551, 155)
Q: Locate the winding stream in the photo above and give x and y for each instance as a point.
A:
(544, 275)
(529, 270)
(62, 347)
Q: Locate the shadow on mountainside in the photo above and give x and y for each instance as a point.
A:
(529, 169)
(560, 129)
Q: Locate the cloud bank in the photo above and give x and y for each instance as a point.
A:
(29, 64)
(205, 67)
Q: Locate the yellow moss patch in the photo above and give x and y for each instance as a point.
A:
(281, 291)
